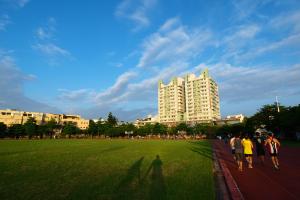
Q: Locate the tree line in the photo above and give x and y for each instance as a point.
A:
(285, 123)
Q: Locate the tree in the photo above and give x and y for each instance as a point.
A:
(159, 129)
(50, 126)
(42, 130)
(268, 115)
(30, 127)
(156, 129)
(93, 128)
(3, 129)
(199, 129)
(102, 128)
(16, 131)
(182, 127)
(112, 120)
(70, 129)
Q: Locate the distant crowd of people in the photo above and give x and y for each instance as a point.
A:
(243, 147)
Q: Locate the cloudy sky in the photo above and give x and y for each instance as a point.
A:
(92, 57)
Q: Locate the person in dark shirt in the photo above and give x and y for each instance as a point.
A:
(260, 147)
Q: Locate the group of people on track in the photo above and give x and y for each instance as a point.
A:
(243, 147)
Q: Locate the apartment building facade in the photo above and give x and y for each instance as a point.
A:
(10, 117)
(191, 100)
(202, 99)
(171, 101)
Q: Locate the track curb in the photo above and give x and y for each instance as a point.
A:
(232, 187)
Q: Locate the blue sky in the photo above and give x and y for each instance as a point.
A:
(92, 57)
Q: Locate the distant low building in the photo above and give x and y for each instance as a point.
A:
(10, 117)
(231, 119)
(148, 120)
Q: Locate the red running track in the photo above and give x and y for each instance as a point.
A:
(263, 182)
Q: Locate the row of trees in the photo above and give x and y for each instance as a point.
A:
(286, 123)
(283, 122)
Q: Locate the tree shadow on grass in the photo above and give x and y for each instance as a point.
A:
(128, 187)
(15, 153)
(157, 183)
(201, 148)
(112, 149)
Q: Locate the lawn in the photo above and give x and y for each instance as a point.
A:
(105, 169)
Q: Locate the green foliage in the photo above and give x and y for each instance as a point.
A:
(16, 131)
(30, 127)
(93, 128)
(50, 126)
(70, 129)
(159, 129)
(42, 130)
(284, 123)
(112, 120)
(3, 129)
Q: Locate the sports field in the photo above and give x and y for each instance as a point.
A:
(105, 169)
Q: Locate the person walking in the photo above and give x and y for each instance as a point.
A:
(248, 152)
(237, 143)
(231, 142)
(260, 147)
(273, 146)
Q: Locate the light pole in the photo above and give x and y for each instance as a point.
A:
(277, 103)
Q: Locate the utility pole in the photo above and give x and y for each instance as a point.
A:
(277, 103)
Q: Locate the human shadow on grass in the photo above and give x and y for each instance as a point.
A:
(202, 148)
(128, 187)
(157, 183)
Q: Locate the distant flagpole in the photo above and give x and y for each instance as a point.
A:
(277, 103)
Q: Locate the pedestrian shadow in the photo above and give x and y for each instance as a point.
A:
(128, 187)
(201, 148)
(157, 183)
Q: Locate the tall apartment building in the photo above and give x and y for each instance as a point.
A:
(171, 101)
(202, 99)
(10, 117)
(192, 99)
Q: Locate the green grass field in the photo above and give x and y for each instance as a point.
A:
(105, 169)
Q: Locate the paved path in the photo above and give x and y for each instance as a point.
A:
(263, 182)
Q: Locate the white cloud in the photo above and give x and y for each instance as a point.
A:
(173, 41)
(113, 93)
(243, 32)
(46, 43)
(22, 3)
(169, 24)
(50, 49)
(135, 11)
(4, 21)
(287, 20)
(242, 84)
(47, 31)
(81, 95)
(289, 41)
(245, 9)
